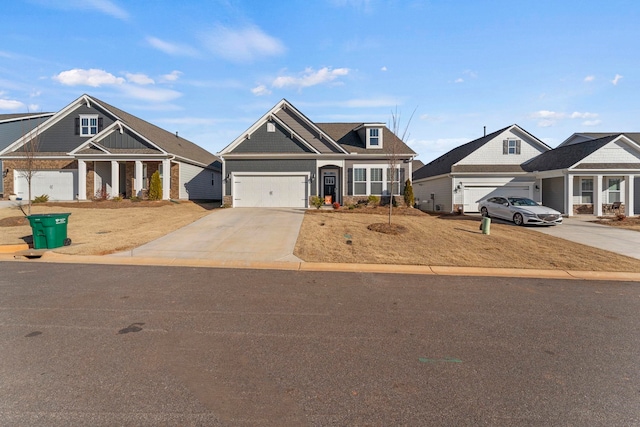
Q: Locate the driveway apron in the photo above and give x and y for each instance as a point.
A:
(238, 234)
(582, 230)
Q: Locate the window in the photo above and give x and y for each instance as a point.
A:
(88, 125)
(613, 188)
(511, 146)
(360, 182)
(374, 137)
(376, 181)
(586, 191)
(397, 180)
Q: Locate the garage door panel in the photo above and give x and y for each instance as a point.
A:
(270, 191)
(472, 195)
(57, 184)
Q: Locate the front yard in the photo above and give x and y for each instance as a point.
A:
(343, 236)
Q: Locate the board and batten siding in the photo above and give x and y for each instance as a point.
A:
(197, 183)
(491, 152)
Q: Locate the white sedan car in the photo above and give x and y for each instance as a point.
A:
(520, 210)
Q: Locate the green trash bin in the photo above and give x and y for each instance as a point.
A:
(49, 230)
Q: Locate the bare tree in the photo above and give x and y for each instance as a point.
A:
(29, 149)
(394, 152)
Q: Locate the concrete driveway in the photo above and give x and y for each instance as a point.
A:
(580, 229)
(239, 234)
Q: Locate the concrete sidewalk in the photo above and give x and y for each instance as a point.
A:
(239, 234)
(580, 229)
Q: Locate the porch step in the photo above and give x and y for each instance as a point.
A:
(326, 207)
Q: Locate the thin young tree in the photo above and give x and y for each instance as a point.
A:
(394, 152)
(29, 150)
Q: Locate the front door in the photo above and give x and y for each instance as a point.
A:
(330, 187)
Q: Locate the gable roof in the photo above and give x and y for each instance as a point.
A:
(634, 136)
(444, 164)
(563, 157)
(166, 141)
(13, 126)
(346, 135)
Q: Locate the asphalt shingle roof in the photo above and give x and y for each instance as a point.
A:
(346, 136)
(567, 155)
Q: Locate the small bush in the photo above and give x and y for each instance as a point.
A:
(135, 199)
(101, 195)
(409, 200)
(373, 200)
(317, 201)
(621, 217)
(117, 199)
(336, 205)
(155, 187)
(41, 199)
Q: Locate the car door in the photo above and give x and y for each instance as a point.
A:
(501, 208)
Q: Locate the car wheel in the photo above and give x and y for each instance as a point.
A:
(484, 212)
(518, 219)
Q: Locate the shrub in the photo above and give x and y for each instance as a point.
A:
(621, 217)
(317, 201)
(135, 199)
(155, 187)
(117, 199)
(41, 199)
(336, 205)
(373, 200)
(409, 200)
(101, 195)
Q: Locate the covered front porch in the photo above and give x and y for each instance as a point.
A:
(600, 194)
(127, 178)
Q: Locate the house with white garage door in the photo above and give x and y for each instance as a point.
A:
(591, 173)
(485, 167)
(92, 148)
(284, 159)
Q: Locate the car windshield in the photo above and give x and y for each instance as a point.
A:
(521, 201)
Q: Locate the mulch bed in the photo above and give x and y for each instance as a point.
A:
(14, 221)
(110, 204)
(374, 210)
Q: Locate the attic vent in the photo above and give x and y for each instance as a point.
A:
(271, 127)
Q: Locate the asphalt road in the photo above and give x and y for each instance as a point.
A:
(118, 345)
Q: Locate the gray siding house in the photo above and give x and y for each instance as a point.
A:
(284, 159)
(92, 149)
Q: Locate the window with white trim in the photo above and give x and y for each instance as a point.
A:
(376, 181)
(374, 137)
(613, 188)
(586, 191)
(88, 124)
(359, 182)
(511, 146)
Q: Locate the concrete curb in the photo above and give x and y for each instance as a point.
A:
(337, 267)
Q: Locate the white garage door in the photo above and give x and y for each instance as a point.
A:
(472, 195)
(57, 184)
(270, 191)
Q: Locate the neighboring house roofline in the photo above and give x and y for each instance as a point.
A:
(7, 118)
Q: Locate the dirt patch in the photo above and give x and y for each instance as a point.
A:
(98, 228)
(386, 228)
(445, 241)
(14, 221)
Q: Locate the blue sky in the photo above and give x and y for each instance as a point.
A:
(209, 69)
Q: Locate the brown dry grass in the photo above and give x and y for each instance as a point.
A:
(98, 228)
(444, 241)
(630, 223)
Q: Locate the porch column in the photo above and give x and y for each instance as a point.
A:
(115, 179)
(137, 190)
(82, 180)
(166, 179)
(568, 191)
(628, 195)
(597, 195)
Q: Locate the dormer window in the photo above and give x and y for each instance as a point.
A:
(88, 124)
(374, 138)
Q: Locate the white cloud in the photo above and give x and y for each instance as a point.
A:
(383, 69)
(589, 78)
(260, 90)
(10, 104)
(585, 115)
(92, 77)
(153, 94)
(172, 76)
(459, 80)
(470, 73)
(547, 115)
(242, 45)
(33, 107)
(591, 122)
(310, 77)
(105, 6)
(431, 118)
(175, 49)
(616, 79)
(139, 79)
(434, 148)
